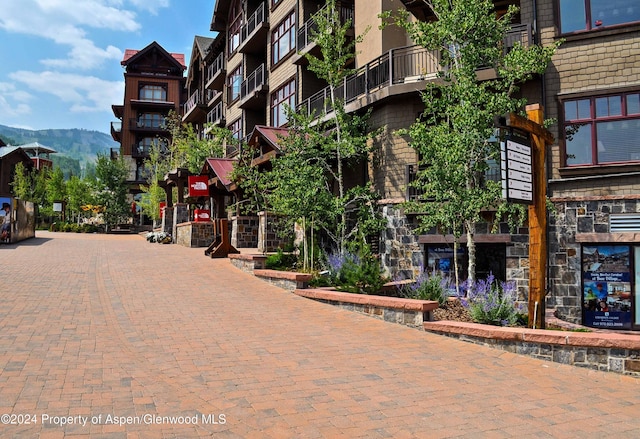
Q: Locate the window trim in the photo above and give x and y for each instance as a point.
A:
(272, 101)
(287, 31)
(593, 120)
(588, 30)
(230, 83)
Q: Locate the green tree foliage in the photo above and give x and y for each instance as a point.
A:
(79, 193)
(112, 189)
(452, 136)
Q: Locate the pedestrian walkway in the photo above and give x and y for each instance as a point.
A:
(110, 336)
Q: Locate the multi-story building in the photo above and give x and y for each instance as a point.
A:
(154, 87)
(254, 67)
(593, 90)
(261, 68)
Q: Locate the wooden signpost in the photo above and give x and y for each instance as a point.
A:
(540, 138)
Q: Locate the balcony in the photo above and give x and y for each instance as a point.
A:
(139, 151)
(145, 104)
(114, 153)
(216, 73)
(148, 125)
(215, 117)
(195, 108)
(213, 97)
(253, 90)
(253, 33)
(304, 40)
(398, 71)
(116, 131)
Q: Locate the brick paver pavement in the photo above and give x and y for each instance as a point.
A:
(119, 338)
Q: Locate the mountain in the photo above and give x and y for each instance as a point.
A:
(77, 144)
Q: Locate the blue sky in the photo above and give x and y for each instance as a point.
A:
(61, 58)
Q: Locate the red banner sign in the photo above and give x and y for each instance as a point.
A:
(198, 186)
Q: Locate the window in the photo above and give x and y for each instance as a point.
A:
(236, 129)
(151, 120)
(235, 81)
(235, 18)
(283, 38)
(602, 129)
(283, 97)
(582, 15)
(153, 93)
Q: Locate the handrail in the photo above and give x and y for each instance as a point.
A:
(216, 66)
(193, 100)
(216, 114)
(394, 67)
(254, 21)
(305, 33)
(409, 63)
(253, 81)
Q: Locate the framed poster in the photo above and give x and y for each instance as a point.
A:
(606, 286)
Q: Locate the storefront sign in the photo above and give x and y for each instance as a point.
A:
(516, 163)
(606, 286)
(198, 186)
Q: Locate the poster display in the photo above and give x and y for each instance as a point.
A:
(606, 286)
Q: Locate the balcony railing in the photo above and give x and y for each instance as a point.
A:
(253, 22)
(401, 65)
(148, 124)
(519, 33)
(217, 66)
(194, 99)
(116, 127)
(254, 81)
(310, 27)
(216, 116)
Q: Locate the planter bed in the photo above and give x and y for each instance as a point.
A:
(612, 352)
(410, 312)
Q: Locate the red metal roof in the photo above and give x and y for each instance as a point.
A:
(270, 134)
(222, 168)
(129, 53)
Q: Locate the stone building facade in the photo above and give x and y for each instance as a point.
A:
(593, 91)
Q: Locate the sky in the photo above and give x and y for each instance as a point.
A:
(60, 59)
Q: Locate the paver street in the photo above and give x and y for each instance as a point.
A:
(110, 336)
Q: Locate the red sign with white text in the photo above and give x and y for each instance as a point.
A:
(198, 186)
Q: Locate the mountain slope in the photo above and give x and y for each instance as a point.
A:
(79, 144)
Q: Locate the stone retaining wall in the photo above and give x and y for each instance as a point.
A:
(618, 353)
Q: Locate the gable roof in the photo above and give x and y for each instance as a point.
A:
(203, 44)
(131, 55)
(221, 167)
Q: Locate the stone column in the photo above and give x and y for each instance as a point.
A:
(180, 215)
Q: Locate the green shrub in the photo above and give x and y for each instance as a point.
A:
(427, 287)
(281, 261)
(356, 273)
(493, 302)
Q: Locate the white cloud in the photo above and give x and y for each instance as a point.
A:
(13, 102)
(82, 93)
(68, 23)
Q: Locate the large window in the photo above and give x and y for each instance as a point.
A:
(284, 96)
(602, 129)
(235, 81)
(153, 93)
(283, 38)
(235, 18)
(582, 15)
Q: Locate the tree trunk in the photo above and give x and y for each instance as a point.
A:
(471, 248)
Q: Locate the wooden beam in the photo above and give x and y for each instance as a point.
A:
(528, 125)
(537, 215)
